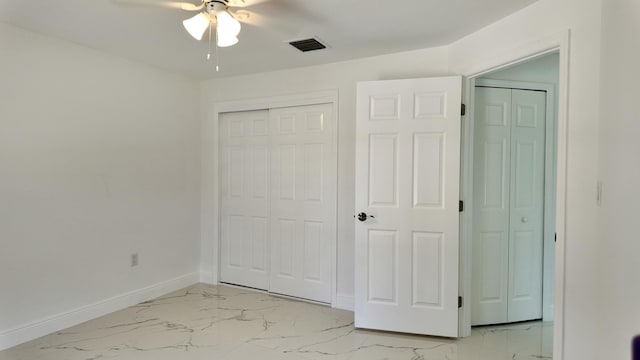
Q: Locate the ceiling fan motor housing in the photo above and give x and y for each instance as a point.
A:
(213, 6)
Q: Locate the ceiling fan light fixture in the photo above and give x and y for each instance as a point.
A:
(227, 27)
(226, 24)
(197, 25)
(226, 41)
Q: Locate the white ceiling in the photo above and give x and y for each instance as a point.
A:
(351, 28)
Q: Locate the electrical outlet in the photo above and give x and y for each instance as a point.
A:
(134, 259)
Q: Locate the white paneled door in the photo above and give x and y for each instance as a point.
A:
(303, 201)
(407, 193)
(244, 193)
(278, 200)
(509, 150)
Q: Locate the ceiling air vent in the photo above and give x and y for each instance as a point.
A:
(310, 44)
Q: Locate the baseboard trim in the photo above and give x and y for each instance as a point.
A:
(344, 303)
(61, 321)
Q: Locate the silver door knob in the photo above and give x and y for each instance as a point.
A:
(524, 219)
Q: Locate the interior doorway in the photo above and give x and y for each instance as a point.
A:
(539, 74)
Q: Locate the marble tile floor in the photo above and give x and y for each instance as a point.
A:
(205, 322)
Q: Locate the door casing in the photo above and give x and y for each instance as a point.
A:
(558, 42)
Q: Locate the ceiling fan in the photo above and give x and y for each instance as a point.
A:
(227, 27)
(220, 15)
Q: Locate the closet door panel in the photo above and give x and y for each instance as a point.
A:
(303, 201)
(527, 201)
(244, 180)
(492, 127)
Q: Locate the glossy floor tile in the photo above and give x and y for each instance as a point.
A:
(227, 323)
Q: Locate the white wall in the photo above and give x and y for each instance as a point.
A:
(507, 37)
(620, 174)
(99, 158)
(341, 76)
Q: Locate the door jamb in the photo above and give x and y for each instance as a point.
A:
(210, 218)
(560, 43)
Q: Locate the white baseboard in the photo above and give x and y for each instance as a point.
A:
(61, 321)
(344, 303)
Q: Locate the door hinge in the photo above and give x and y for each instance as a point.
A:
(461, 206)
(463, 109)
(459, 302)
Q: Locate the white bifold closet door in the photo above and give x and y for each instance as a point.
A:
(508, 202)
(278, 212)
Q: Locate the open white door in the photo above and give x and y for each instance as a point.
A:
(407, 193)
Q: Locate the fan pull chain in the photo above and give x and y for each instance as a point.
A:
(217, 51)
(217, 48)
(209, 53)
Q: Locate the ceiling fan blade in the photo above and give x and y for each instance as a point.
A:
(265, 22)
(245, 3)
(160, 3)
(285, 9)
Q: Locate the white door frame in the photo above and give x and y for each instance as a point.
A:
(549, 174)
(210, 218)
(555, 43)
